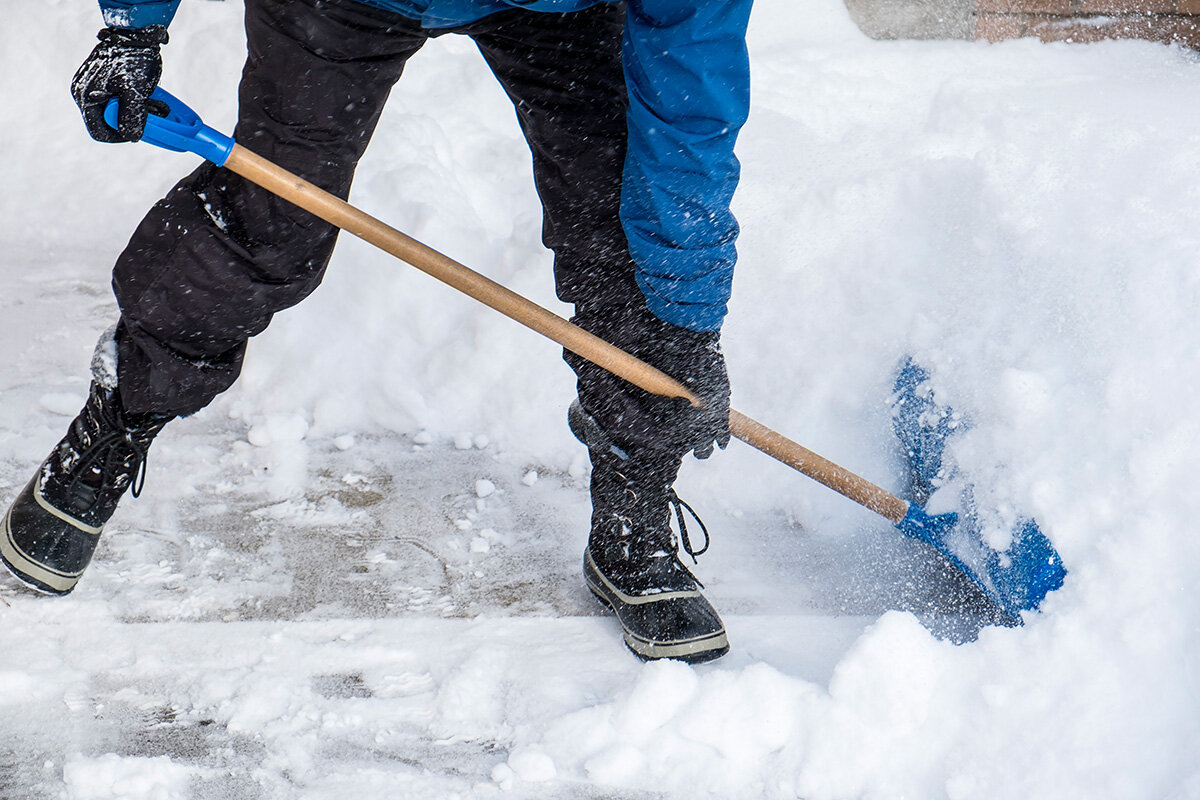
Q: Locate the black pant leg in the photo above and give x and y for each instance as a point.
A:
(212, 262)
(564, 75)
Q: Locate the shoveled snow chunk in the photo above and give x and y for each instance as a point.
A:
(113, 777)
(278, 429)
(503, 775)
(532, 764)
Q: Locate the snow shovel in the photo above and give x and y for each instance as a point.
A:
(1016, 580)
(1029, 567)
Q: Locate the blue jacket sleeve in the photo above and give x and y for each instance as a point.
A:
(688, 74)
(137, 13)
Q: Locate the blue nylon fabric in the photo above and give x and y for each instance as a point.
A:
(451, 13)
(431, 13)
(688, 75)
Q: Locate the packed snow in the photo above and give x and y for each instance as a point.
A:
(357, 572)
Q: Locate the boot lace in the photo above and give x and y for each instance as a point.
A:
(685, 539)
(102, 450)
(106, 449)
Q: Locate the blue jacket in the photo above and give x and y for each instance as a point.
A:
(688, 75)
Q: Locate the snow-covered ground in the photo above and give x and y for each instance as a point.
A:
(356, 574)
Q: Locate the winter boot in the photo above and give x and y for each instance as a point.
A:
(52, 528)
(631, 563)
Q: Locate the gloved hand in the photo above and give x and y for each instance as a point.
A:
(125, 65)
(694, 359)
(633, 417)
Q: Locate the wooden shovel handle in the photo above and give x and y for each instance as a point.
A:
(338, 212)
(819, 468)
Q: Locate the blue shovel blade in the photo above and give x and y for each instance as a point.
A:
(923, 427)
(1016, 579)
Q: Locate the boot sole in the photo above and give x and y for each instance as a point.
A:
(694, 650)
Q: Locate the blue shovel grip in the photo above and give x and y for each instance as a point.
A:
(181, 130)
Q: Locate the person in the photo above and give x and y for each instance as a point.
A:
(630, 110)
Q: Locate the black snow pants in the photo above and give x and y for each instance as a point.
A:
(214, 260)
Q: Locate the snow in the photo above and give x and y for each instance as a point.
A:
(357, 573)
(111, 777)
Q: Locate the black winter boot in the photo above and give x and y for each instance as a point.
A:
(631, 563)
(52, 528)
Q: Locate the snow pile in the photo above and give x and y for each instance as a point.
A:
(111, 777)
(1020, 217)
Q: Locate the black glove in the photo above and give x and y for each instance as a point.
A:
(125, 65)
(694, 359)
(633, 417)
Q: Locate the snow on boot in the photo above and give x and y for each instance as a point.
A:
(52, 528)
(631, 563)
